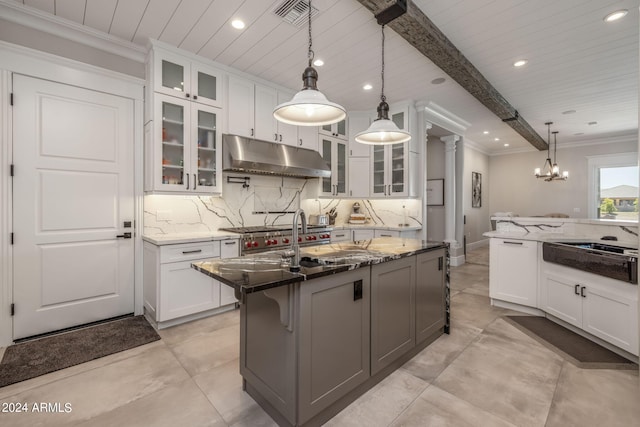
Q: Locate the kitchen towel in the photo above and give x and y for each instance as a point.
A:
(41, 356)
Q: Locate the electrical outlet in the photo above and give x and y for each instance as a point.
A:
(163, 215)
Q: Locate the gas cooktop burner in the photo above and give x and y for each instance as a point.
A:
(264, 238)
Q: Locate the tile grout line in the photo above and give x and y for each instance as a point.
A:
(555, 391)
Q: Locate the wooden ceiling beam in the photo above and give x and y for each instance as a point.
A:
(416, 28)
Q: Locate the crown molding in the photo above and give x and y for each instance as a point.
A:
(437, 115)
(42, 21)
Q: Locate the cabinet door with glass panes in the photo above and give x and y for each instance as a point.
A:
(390, 164)
(185, 147)
(336, 130)
(178, 76)
(334, 152)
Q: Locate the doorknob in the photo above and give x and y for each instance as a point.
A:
(124, 236)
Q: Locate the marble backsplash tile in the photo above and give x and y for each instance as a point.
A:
(267, 201)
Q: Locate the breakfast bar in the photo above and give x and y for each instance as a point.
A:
(313, 341)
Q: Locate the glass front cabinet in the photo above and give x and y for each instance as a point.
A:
(181, 77)
(390, 164)
(184, 147)
(334, 152)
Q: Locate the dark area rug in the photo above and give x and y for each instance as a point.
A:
(577, 349)
(44, 355)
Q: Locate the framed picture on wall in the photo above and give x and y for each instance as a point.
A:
(435, 192)
(476, 189)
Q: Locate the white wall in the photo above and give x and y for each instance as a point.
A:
(24, 36)
(478, 219)
(514, 188)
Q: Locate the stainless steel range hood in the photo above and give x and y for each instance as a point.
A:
(240, 154)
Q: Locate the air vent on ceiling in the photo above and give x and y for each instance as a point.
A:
(295, 12)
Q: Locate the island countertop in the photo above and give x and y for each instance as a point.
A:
(253, 273)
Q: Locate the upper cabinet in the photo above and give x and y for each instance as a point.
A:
(183, 147)
(334, 152)
(337, 130)
(250, 114)
(390, 164)
(183, 124)
(179, 76)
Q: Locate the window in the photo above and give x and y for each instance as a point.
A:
(613, 187)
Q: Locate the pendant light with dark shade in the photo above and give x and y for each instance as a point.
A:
(383, 131)
(551, 171)
(309, 107)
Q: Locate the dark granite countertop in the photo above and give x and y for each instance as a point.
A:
(268, 270)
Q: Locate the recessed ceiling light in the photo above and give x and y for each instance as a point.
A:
(614, 16)
(486, 132)
(438, 81)
(367, 87)
(592, 123)
(496, 139)
(520, 63)
(237, 24)
(318, 62)
(569, 112)
(506, 145)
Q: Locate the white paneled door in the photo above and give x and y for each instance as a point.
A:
(73, 191)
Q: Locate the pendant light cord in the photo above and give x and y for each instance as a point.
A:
(310, 54)
(382, 97)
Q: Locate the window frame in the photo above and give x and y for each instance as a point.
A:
(594, 163)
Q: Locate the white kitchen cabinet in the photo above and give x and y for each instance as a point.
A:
(336, 130)
(182, 152)
(362, 234)
(180, 76)
(174, 291)
(334, 152)
(603, 307)
(228, 249)
(358, 121)
(250, 114)
(341, 236)
(513, 272)
(359, 176)
(389, 171)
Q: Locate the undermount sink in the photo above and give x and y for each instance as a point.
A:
(597, 258)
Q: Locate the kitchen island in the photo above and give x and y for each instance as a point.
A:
(313, 341)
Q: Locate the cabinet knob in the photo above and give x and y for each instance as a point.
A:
(187, 95)
(195, 96)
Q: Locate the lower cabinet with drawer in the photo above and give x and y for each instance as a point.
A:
(174, 292)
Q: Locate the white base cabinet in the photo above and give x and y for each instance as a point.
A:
(173, 289)
(513, 271)
(603, 307)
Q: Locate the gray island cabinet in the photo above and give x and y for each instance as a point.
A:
(312, 342)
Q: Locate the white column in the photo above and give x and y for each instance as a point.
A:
(450, 189)
(424, 162)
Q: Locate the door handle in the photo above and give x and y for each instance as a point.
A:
(251, 131)
(512, 243)
(280, 137)
(300, 141)
(124, 236)
(194, 181)
(275, 136)
(440, 263)
(575, 289)
(582, 292)
(187, 180)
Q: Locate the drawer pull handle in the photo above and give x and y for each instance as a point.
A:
(197, 251)
(229, 243)
(575, 289)
(512, 243)
(582, 292)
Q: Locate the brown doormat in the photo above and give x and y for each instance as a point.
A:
(577, 349)
(44, 355)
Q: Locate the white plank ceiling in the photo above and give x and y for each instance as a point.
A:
(576, 60)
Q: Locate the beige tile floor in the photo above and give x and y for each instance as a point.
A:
(486, 373)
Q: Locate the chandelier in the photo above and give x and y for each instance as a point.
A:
(551, 171)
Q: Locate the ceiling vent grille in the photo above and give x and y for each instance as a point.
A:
(295, 12)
